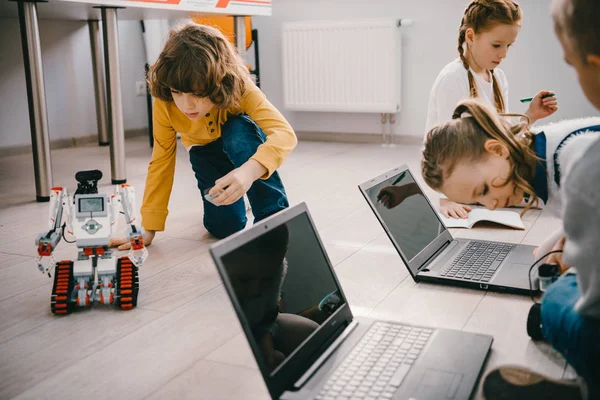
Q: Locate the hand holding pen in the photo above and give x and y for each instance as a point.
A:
(542, 105)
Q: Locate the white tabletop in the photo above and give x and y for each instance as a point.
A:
(141, 9)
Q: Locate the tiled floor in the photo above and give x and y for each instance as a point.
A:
(183, 340)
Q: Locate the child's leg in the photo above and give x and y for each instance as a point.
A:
(575, 336)
(241, 138)
(210, 163)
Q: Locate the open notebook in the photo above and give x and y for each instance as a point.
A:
(508, 218)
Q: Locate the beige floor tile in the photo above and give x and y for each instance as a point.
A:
(139, 363)
(369, 275)
(24, 312)
(184, 340)
(9, 260)
(235, 352)
(178, 285)
(504, 317)
(429, 305)
(55, 347)
(214, 381)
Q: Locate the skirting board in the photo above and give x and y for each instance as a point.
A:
(356, 138)
(67, 142)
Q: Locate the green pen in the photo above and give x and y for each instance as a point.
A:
(528, 99)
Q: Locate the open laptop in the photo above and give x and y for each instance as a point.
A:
(429, 250)
(305, 339)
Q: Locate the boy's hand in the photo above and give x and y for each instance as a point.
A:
(450, 209)
(392, 196)
(124, 244)
(556, 258)
(542, 107)
(235, 184)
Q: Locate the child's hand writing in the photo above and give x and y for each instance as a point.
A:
(235, 184)
(450, 209)
(542, 107)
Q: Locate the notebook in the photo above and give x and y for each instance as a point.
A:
(511, 219)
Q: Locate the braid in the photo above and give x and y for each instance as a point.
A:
(479, 16)
(498, 99)
(461, 40)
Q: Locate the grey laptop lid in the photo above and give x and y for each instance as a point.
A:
(407, 216)
(283, 289)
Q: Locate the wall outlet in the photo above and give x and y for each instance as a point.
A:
(140, 88)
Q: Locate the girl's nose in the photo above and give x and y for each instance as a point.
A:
(489, 203)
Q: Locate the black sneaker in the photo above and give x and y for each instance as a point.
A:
(534, 322)
(512, 382)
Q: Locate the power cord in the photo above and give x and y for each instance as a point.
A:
(63, 234)
(533, 265)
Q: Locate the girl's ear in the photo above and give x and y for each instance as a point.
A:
(469, 35)
(496, 148)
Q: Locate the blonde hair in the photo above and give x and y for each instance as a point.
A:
(199, 59)
(480, 16)
(464, 138)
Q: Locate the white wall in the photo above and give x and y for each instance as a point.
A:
(535, 63)
(69, 86)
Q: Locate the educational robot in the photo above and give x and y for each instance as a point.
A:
(97, 275)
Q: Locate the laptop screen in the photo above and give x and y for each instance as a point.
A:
(407, 214)
(284, 287)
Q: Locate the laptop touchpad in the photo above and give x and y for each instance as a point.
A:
(439, 384)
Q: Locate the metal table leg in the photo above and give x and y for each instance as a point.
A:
(36, 96)
(113, 84)
(99, 85)
(239, 26)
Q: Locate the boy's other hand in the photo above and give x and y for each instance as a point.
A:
(122, 243)
(450, 209)
(235, 184)
(556, 258)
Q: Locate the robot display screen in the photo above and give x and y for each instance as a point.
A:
(91, 204)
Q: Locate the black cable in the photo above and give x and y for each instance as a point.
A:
(63, 234)
(533, 265)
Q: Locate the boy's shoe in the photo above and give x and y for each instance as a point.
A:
(512, 382)
(534, 322)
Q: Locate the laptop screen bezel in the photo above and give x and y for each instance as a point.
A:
(417, 263)
(302, 358)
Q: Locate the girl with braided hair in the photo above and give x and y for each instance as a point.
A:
(487, 31)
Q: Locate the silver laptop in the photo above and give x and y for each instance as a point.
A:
(305, 339)
(429, 250)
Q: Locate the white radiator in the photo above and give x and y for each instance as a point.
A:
(342, 66)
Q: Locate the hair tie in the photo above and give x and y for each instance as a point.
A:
(456, 115)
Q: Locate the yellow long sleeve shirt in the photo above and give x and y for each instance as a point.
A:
(168, 120)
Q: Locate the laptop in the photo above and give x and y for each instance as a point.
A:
(428, 249)
(306, 342)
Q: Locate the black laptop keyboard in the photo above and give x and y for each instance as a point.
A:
(378, 364)
(478, 261)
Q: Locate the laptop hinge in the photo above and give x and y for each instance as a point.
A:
(317, 364)
(434, 255)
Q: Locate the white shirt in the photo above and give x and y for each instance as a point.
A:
(452, 86)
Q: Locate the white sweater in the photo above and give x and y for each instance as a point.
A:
(576, 201)
(452, 86)
(569, 154)
(582, 228)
